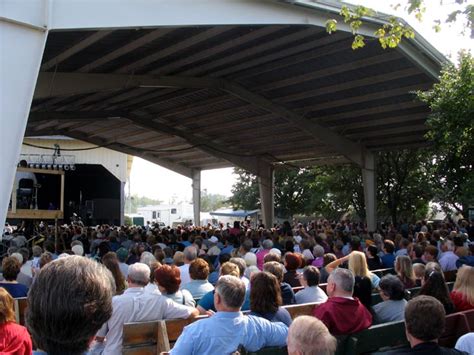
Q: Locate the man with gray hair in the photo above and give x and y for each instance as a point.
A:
(229, 330)
(448, 258)
(136, 305)
(190, 254)
(308, 335)
(267, 244)
(342, 313)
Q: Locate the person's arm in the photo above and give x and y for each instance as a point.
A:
(194, 313)
(334, 264)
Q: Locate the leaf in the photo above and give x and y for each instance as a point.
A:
(358, 42)
(331, 26)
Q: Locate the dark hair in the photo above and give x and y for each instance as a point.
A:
(68, 303)
(389, 246)
(265, 293)
(111, 262)
(168, 277)
(432, 250)
(11, 268)
(392, 287)
(328, 258)
(425, 318)
(271, 257)
(223, 258)
(199, 269)
(311, 275)
(363, 290)
(372, 249)
(418, 250)
(355, 243)
(292, 261)
(435, 286)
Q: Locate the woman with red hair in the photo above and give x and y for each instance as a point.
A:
(168, 280)
(293, 262)
(14, 338)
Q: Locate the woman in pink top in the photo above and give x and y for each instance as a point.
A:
(14, 338)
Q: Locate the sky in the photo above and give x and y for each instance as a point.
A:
(151, 180)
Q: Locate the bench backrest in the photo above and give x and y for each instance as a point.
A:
(304, 309)
(378, 336)
(456, 326)
(20, 306)
(145, 337)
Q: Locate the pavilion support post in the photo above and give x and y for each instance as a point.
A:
(369, 179)
(197, 196)
(266, 184)
(22, 46)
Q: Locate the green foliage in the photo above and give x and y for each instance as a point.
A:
(395, 30)
(331, 191)
(211, 202)
(451, 125)
(135, 201)
(128, 221)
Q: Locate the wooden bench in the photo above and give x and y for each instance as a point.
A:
(382, 272)
(146, 337)
(304, 309)
(20, 305)
(456, 326)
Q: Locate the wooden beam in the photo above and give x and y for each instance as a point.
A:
(153, 157)
(174, 48)
(351, 150)
(61, 57)
(66, 84)
(249, 163)
(129, 47)
(39, 116)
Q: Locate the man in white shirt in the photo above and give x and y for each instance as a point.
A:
(190, 254)
(136, 305)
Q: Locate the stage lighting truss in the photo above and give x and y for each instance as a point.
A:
(50, 161)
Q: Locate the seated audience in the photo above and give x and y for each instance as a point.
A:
(318, 252)
(448, 259)
(292, 262)
(308, 335)
(430, 254)
(466, 343)
(363, 291)
(463, 290)
(404, 270)
(189, 254)
(14, 338)
(265, 298)
(122, 255)
(373, 259)
(11, 268)
(434, 285)
(419, 270)
(323, 272)
(311, 292)
(68, 302)
(342, 313)
(388, 258)
(276, 269)
(229, 329)
(424, 323)
(168, 280)
(357, 263)
(267, 244)
(415, 252)
(392, 308)
(136, 305)
(206, 303)
(111, 262)
(242, 267)
(199, 285)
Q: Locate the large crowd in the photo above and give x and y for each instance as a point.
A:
(84, 283)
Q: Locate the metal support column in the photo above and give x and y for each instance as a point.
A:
(22, 45)
(369, 178)
(197, 196)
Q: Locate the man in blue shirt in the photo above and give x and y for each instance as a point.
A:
(228, 329)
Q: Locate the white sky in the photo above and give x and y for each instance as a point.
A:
(148, 179)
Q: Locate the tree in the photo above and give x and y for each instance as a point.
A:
(394, 30)
(292, 191)
(211, 202)
(135, 201)
(331, 191)
(451, 131)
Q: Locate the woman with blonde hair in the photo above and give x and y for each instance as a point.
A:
(404, 269)
(357, 263)
(463, 290)
(14, 338)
